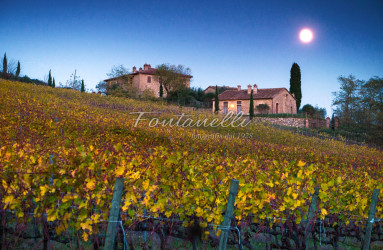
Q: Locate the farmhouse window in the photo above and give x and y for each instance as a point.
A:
(239, 107)
(276, 108)
(225, 107)
(149, 79)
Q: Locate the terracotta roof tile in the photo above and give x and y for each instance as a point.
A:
(243, 95)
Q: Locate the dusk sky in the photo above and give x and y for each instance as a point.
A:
(223, 42)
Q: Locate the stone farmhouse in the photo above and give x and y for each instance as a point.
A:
(279, 100)
(143, 79)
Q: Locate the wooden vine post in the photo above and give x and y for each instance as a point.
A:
(228, 215)
(1, 230)
(370, 221)
(114, 214)
(311, 216)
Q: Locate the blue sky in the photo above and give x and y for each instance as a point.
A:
(223, 42)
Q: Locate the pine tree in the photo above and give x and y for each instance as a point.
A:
(54, 83)
(5, 65)
(295, 83)
(82, 86)
(216, 100)
(251, 108)
(50, 79)
(18, 69)
(161, 90)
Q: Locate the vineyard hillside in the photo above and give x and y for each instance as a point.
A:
(61, 151)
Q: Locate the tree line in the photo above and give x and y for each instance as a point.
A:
(11, 70)
(359, 106)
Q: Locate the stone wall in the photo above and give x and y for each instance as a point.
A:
(294, 122)
(290, 122)
(317, 123)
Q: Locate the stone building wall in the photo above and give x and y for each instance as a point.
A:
(245, 105)
(285, 102)
(141, 82)
(144, 84)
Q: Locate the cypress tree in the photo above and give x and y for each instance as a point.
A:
(18, 69)
(5, 65)
(82, 86)
(332, 122)
(251, 108)
(216, 100)
(295, 83)
(50, 79)
(54, 83)
(161, 90)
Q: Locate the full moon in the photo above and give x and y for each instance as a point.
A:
(306, 35)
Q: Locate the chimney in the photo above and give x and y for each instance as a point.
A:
(239, 87)
(255, 89)
(140, 69)
(146, 66)
(249, 89)
(134, 69)
(150, 66)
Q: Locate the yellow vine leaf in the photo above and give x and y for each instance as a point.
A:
(120, 170)
(85, 236)
(87, 225)
(323, 213)
(5, 184)
(146, 184)
(301, 163)
(51, 215)
(66, 198)
(203, 224)
(60, 228)
(43, 190)
(91, 184)
(96, 218)
(8, 200)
